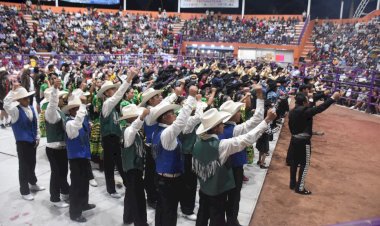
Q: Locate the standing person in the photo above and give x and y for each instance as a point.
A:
(110, 130)
(78, 153)
(301, 127)
(209, 163)
(27, 135)
(132, 155)
(4, 89)
(150, 99)
(238, 159)
(169, 159)
(56, 146)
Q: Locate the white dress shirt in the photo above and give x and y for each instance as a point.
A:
(111, 102)
(52, 116)
(131, 131)
(170, 133)
(233, 145)
(73, 126)
(250, 124)
(194, 120)
(10, 107)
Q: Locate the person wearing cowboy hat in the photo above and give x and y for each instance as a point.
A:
(132, 156)
(209, 163)
(110, 130)
(188, 138)
(78, 152)
(169, 161)
(56, 145)
(150, 99)
(237, 160)
(27, 135)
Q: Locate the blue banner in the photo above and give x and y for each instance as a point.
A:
(100, 2)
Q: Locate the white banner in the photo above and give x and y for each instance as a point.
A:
(209, 3)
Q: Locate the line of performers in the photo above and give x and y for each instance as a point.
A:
(159, 152)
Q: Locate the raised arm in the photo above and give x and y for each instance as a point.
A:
(73, 126)
(131, 131)
(310, 112)
(51, 114)
(195, 119)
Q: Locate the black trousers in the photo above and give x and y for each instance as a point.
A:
(169, 194)
(302, 173)
(233, 196)
(134, 200)
(58, 176)
(150, 177)
(112, 157)
(79, 186)
(26, 153)
(190, 187)
(211, 208)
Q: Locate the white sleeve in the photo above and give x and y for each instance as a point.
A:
(51, 114)
(130, 132)
(171, 99)
(148, 119)
(111, 102)
(252, 122)
(194, 120)
(233, 145)
(73, 126)
(170, 134)
(10, 107)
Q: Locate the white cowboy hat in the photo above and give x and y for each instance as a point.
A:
(73, 103)
(78, 92)
(162, 108)
(131, 111)
(3, 69)
(106, 86)
(47, 95)
(231, 107)
(210, 119)
(147, 94)
(20, 93)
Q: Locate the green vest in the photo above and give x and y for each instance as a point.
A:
(214, 179)
(132, 157)
(188, 141)
(56, 132)
(110, 124)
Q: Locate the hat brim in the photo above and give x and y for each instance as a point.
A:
(132, 115)
(163, 110)
(105, 88)
(221, 117)
(67, 108)
(236, 109)
(147, 97)
(23, 96)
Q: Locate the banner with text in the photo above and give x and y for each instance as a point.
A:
(99, 2)
(209, 3)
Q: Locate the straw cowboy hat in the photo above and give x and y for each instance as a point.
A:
(73, 103)
(149, 93)
(210, 119)
(47, 95)
(131, 111)
(162, 108)
(106, 86)
(231, 107)
(20, 93)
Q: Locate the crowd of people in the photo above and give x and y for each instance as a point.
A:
(220, 28)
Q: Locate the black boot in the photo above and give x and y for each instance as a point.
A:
(79, 219)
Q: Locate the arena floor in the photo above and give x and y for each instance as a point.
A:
(344, 174)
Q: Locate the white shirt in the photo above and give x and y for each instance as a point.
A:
(131, 131)
(52, 116)
(73, 126)
(233, 145)
(10, 107)
(111, 102)
(194, 120)
(170, 133)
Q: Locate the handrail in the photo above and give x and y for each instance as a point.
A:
(303, 30)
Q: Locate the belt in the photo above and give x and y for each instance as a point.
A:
(170, 175)
(148, 144)
(302, 136)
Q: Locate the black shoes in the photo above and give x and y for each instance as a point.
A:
(292, 186)
(233, 223)
(303, 192)
(89, 207)
(264, 167)
(79, 219)
(2, 126)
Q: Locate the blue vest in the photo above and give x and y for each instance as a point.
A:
(149, 130)
(166, 161)
(79, 147)
(23, 128)
(237, 159)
